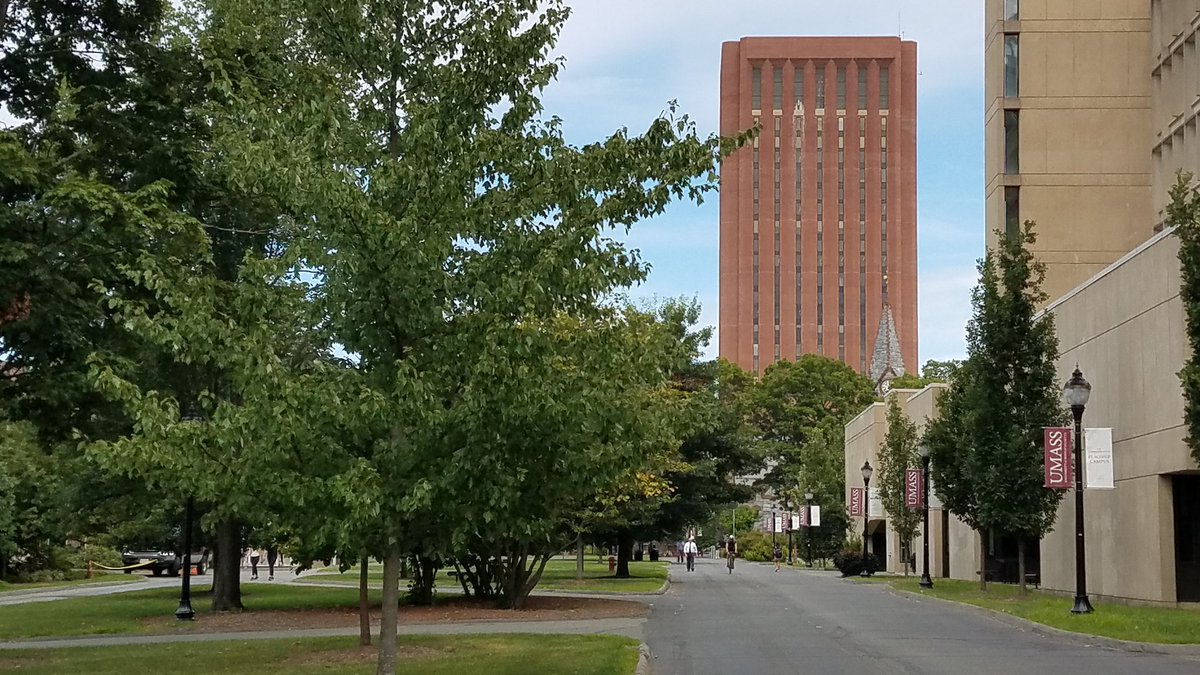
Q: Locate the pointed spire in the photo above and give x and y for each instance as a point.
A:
(887, 363)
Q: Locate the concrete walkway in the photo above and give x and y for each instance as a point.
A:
(628, 627)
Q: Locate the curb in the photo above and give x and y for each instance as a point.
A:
(645, 664)
(1082, 639)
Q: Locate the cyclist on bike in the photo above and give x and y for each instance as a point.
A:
(730, 552)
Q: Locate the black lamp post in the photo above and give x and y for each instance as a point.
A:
(185, 611)
(772, 528)
(867, 471)
(1077, 391)
(923, 450)
(808, 497)
(787, 526)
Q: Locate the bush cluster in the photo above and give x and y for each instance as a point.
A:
(850, 562)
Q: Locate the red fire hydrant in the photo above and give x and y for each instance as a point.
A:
(612, 563)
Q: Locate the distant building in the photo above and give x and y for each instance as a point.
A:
(819, 214)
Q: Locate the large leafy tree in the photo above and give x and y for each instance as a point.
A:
(1183, 213)
(985, 445)
(897, 454)
(462, 251)
(799, 410)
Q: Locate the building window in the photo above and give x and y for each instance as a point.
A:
(756, 88)
(1012, 210)
(1012, 142)
(1012, 68)
(862, 88)
(841, 87)
(1012, 10)
(884, 86)
(798, 88)
(821, 87)
(777, 86)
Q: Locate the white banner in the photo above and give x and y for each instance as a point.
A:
(778, 524)
(795, 522)
(1098, 453)
(875, 503)
(934, 502)
(814, 516)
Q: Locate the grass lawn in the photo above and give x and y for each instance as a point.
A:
(1123, 622)
(419, 655)
(646, 577)
(98, 579)
(122, 612)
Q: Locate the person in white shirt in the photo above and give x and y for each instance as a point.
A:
(690, 551)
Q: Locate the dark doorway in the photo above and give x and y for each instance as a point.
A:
(1186, 495)
(1003, 561)
(879, 544)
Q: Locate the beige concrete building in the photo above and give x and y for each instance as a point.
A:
(1174, 94)
(1067, 129)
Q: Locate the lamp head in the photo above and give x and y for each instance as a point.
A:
(923, 450)
(867, 470)
(808, 496)
(1077, 390)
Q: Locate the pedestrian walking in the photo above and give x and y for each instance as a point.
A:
(272, 556)
(679, 551)
(690, 551)
(255, 556)
(777, 552)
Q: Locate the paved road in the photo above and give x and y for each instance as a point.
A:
(761, 622)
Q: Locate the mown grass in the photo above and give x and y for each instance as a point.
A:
(1123, 622)
(124, 612)
(646, 577)
(419, 655)
(6, 587)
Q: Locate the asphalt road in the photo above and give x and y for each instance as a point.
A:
(759, 621)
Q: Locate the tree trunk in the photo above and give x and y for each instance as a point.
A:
(227, 588)
(1021, 564)
(387, 620)
(364, 606)
(624, 553)
(579, 557)
(982, 560)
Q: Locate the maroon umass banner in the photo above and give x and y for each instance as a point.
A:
(912, 488)
(1056, 444)
(856, 501)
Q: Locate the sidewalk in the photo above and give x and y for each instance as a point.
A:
(628, 627)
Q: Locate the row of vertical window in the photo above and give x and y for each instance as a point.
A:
(1012, 118)
(798, 89)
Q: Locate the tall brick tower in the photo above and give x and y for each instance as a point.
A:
(819, 216)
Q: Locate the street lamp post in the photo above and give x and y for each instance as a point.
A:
(808, 497)
(185, 611)
(772, 528)
(867, 471)
(787, 525)
(1077, 391)
(926, 581)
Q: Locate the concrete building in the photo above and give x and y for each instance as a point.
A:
(1091, 110)
(818, 215)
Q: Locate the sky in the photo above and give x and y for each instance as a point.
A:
(625, 59)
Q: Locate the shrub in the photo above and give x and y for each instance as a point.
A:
(850, 562)
(755, 546)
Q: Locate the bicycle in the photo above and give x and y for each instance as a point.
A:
(729, 561)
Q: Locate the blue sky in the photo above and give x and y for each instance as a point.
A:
(625, 59)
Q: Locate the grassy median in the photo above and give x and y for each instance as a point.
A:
(646, 577)
(104, 578)
(129, 612)
(1122, 622)
(418, 655)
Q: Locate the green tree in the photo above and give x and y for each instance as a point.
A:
(799, 410)
(985, 446)
(1183, 213)
(940, 371)
(462, 250)
(897, 454)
